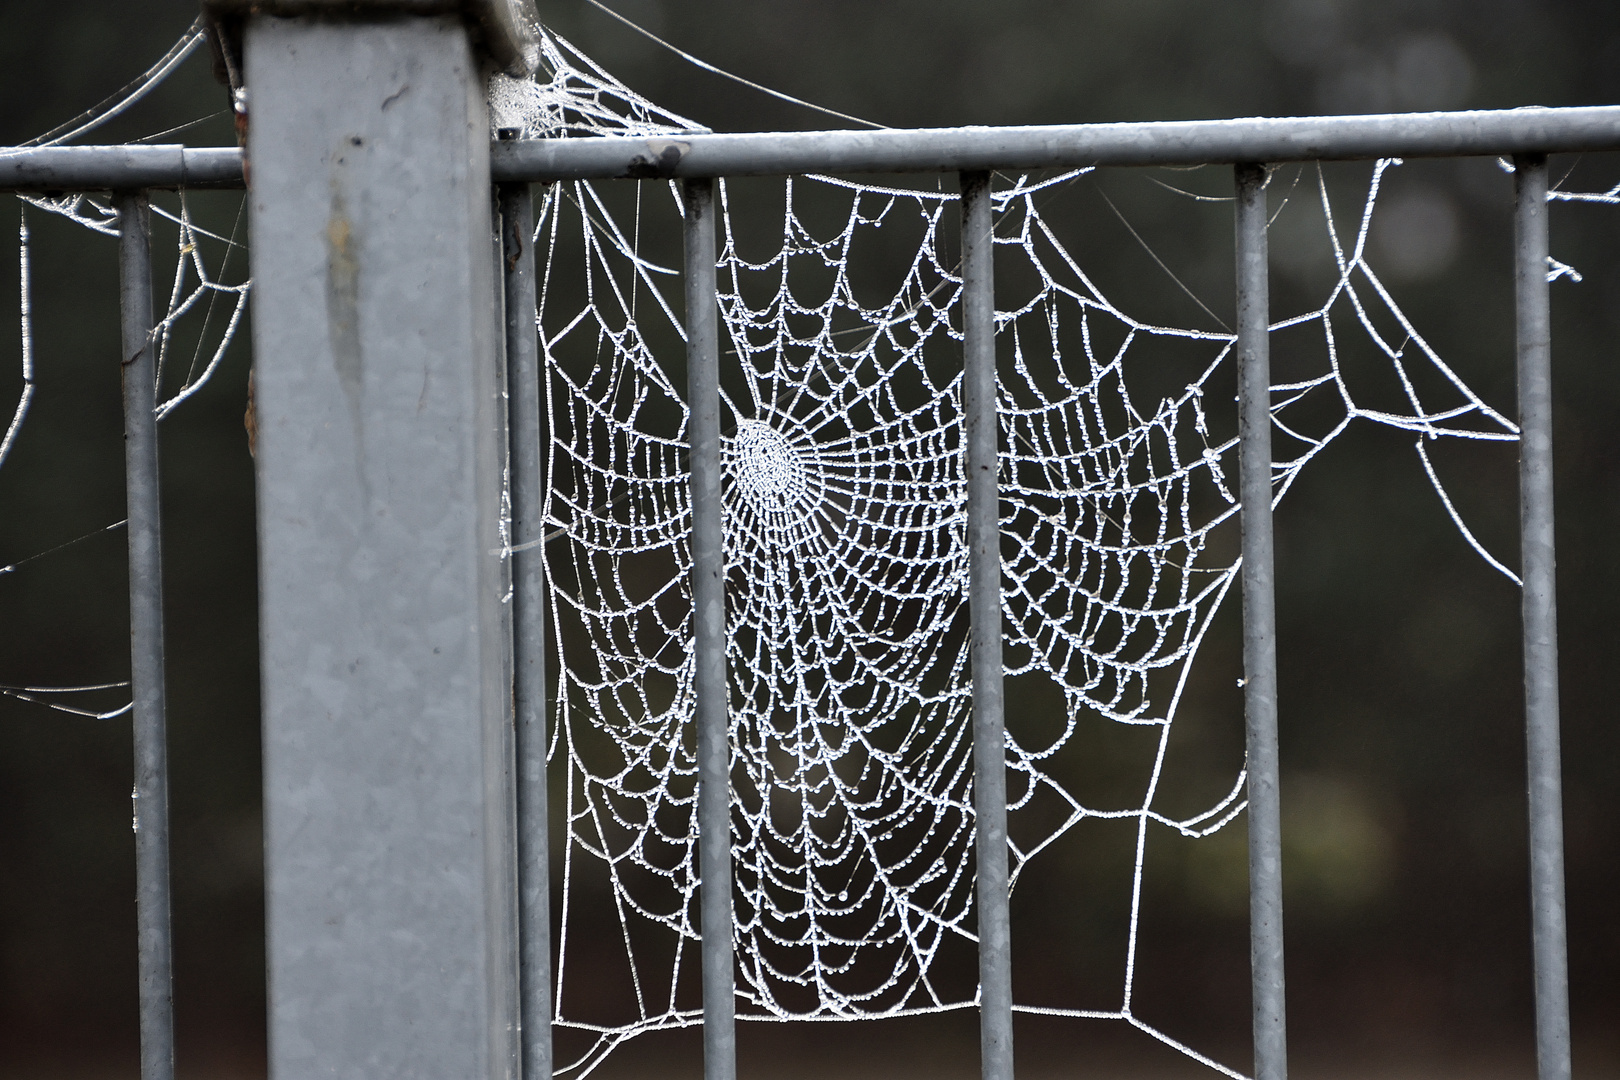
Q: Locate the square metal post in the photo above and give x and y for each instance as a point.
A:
(389, 833)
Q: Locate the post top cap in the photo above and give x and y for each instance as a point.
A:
(508, 30)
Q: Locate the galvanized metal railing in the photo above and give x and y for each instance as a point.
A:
(1260, 627)
(1528, 135)
(147, 684)
(528, 630)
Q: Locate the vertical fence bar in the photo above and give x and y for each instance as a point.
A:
(146, 637)
(709, 635)
(528, 630)
(1260, 627)
(984, 613)
(1540, 618)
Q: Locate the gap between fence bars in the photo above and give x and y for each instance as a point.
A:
(92, 167)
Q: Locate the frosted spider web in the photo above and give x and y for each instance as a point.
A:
(201, 296)
(843, 501)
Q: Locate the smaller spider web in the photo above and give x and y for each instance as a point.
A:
(203, 310)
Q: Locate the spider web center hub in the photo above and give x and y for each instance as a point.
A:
(769, 471)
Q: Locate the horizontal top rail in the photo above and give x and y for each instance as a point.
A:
(114, 168)
(1532, 130)
(1066, 146)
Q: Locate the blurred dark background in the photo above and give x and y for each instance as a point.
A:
(1409, 948)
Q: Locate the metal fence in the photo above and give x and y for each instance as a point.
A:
(1528, 135)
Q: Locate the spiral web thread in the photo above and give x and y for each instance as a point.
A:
(843, 502)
